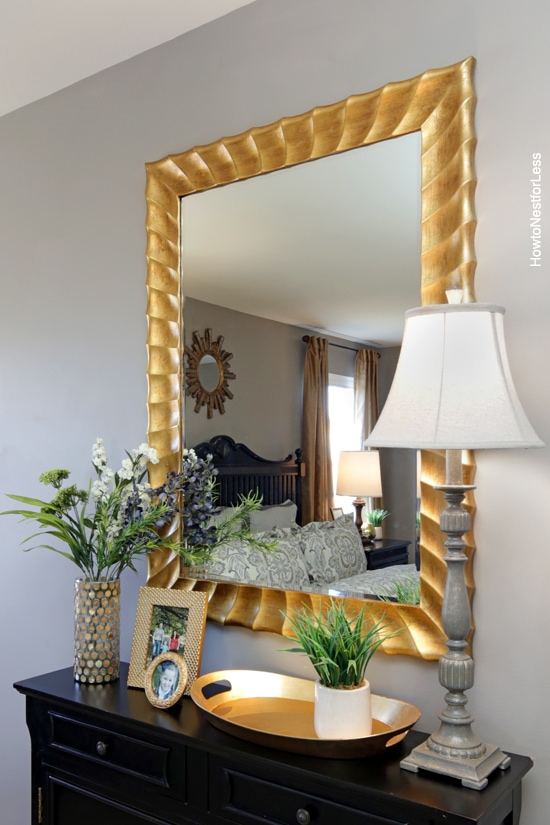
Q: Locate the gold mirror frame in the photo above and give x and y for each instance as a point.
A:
(211, 399)
(439, 103)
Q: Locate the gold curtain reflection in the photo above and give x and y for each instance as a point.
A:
(317, 489)
(366, 400)
(365, 389)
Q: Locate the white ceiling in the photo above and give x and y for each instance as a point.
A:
(46, 45)
(333, 245)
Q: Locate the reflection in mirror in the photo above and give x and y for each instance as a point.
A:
(310, 248)
(332, 245)
(209, 373)
(440, 105)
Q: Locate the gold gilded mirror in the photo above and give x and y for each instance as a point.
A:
(440, 105)
(206, 372)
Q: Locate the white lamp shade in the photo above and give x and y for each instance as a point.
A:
(359, 474)
(452, 387)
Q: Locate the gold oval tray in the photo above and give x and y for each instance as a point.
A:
(277, 711)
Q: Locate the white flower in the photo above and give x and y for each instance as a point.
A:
(99, 457)
(107, 476)
(149, 453)
(127, 469)
(145, 453)
(99, 490)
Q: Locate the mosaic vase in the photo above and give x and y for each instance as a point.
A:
(96, 631)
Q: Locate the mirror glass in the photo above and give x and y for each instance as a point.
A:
(209, 373)
(331, 246)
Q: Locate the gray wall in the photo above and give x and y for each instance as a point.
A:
(265, 412)
(72, 328)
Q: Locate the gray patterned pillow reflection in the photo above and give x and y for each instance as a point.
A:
(237, 561)
(283, 567)
(286, 566)
(333, 549)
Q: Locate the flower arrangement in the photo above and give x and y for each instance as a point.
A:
(119, 515)
(338, 647)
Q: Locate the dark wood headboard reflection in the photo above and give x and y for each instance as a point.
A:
(241, 471)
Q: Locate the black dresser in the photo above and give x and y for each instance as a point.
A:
(386, 553)
(102, 755)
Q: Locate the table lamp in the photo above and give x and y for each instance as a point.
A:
(359, 476)
(453, 390)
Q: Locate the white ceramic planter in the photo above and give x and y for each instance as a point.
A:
(378, 532)
(342, 713)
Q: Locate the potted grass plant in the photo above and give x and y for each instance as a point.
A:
(376, 517)
(340, 647)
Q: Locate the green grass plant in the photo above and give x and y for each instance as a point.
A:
(339, 647)
(403, 591)
(377, 516)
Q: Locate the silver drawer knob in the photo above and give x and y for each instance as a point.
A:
(302, 816)
(101, 748)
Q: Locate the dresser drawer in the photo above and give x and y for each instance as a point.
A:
(117, 751)
(242, 798)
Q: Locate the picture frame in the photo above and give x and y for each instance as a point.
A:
(166, 679)
(167, 621)
(336, 512)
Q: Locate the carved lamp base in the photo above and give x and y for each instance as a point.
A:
(472, 772)
(455, 750)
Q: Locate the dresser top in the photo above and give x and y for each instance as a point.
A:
(101, 704)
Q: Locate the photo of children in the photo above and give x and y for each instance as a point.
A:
(165, 680)
(167, 631)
